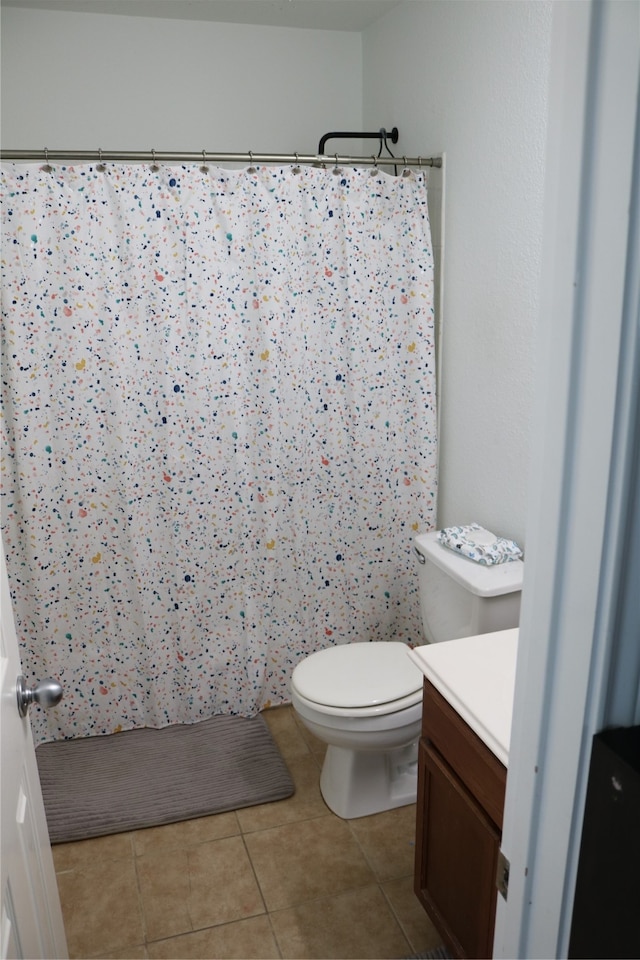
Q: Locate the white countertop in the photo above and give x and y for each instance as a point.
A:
(477, 677)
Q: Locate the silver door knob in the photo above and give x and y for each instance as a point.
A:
(46, 694)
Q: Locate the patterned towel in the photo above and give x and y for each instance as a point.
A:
(478, 544)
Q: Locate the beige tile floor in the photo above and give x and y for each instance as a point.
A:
(282, 880)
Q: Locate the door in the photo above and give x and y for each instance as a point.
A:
(31, 924)
(578, 654)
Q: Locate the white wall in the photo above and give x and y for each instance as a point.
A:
(470, 78)
(83, 81)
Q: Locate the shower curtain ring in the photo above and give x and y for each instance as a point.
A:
(406, 172)
(251, 168)
(204, 168)
(336, 170)
(373, 172)
(154, 165)
(100, 167)
(47, 166)
(296, 169)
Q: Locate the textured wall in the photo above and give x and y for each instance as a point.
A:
(470, 79)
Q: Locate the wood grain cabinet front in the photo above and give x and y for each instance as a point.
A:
(461, 786)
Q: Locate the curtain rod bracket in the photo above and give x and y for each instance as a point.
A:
(382, 135)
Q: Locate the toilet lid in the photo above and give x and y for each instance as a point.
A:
(357, 675)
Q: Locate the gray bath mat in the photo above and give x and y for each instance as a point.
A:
(144, 778)
(440, 953)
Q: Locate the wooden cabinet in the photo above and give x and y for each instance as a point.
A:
(461, 786)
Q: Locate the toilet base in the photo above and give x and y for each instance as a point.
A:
(358, 783)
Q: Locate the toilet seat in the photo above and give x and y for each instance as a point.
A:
(359, 678)
(395, 708)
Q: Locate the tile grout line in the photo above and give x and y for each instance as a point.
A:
(379, 884)
(136, 858)
(411, 949)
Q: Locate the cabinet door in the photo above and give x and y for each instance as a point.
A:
(456, 858)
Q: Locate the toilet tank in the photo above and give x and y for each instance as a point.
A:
(459, 597)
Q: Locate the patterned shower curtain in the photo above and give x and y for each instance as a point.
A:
(219, 431)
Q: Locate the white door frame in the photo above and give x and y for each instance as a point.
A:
(573, 645)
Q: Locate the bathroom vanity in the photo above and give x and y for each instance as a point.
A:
(462, 771)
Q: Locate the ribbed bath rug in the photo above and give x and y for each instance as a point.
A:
(440, 953)
(143, 778)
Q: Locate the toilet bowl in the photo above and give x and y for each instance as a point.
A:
(364, 700)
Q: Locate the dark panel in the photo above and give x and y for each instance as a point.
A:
(606, 913)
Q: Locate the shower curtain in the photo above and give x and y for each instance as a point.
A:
(219, 432)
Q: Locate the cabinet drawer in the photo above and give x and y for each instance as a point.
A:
(478, 768)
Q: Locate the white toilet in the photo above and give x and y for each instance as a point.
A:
(365, 699)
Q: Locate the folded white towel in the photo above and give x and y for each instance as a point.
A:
(478, 544)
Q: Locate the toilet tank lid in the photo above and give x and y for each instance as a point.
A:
(362, 674)
(484, 581)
